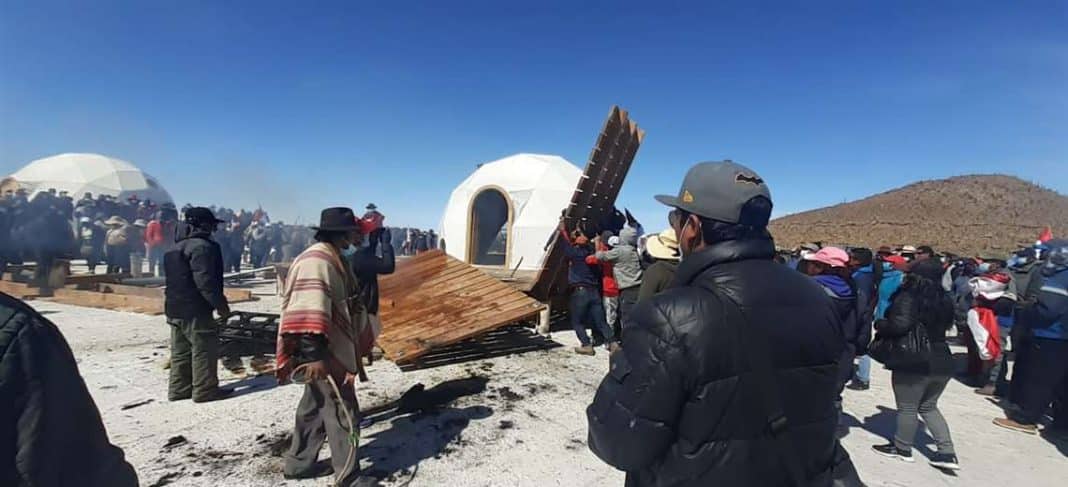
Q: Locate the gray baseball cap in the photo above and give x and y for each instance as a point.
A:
(718, 190)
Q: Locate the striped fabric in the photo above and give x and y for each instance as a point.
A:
(315, 299)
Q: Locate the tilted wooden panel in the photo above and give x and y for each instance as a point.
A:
(595, 196)
(433, 300)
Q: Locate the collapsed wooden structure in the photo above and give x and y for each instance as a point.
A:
(433, 300)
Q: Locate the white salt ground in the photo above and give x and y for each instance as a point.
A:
(512, 421)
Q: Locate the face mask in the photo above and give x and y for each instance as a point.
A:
(349, 251)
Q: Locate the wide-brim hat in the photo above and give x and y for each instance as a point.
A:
(116, 220)
(337, 219)
(199, 214)
(663, 246)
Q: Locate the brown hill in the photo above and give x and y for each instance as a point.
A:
(984, 215)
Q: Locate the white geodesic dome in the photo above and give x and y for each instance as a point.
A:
(78, 174)
(537, 187)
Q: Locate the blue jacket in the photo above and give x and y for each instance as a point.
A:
(1048, 317)
(579, 273)
(887, 287)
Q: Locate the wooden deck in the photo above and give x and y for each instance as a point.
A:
(433, 300)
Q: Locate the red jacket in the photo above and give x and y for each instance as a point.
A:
(156, 233)
(609, 288)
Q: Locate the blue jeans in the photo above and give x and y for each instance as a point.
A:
(864, 369)
(586, 307)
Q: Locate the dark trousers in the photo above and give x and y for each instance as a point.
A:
(586, 307)
(1046, 369)
(44, 267)
(628, 298)
(194, 358)
(918, 394)
(319, 418)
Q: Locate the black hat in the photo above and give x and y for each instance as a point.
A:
(199, 214)
(337, 219)
(371, 206)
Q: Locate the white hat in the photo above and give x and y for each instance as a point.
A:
(664, 246)
(613, 240)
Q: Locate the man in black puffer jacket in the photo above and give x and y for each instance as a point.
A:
(51, 434)
(730, 376)
(194, 269)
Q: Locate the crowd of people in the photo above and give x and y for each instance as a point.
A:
(129, 236)
(706, 337)
(728, 357)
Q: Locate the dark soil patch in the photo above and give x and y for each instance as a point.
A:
(506, 424)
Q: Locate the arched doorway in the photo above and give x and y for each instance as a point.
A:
(489, 228)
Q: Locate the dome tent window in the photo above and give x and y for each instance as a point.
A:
(490, 225)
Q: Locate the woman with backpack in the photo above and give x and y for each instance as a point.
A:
(911, 342)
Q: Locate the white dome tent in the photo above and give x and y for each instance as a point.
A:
(78, 174)
(504, 213)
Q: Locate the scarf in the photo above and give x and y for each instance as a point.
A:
(983, 323)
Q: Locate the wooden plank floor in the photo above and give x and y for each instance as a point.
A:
(433, 300)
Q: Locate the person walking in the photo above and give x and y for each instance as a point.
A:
(830, 268)
(585, 303)
(663, 250)
(919, 373)
(889, 279)
(195, 289)
(1045, 371)
(730, 376)
(317, 347)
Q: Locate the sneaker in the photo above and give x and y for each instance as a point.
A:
(1013, 425)
(586, 350)
(892, 451)
(858, 386)
(946, 461)
(614, 347)
(987, 390)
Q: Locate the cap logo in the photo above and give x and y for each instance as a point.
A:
(687, 197)
(747, 179)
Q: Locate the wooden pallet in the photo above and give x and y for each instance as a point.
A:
(433, 300)
(595, 196)
(135, 299)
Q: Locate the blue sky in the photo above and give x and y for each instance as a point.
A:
(303, 105)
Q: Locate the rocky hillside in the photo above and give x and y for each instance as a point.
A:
(986, 215)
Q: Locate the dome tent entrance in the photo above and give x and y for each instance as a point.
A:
(507, 210)
(78, 174)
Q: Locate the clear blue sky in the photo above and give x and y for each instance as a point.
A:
(301, 106)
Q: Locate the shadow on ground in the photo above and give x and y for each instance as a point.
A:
(884, 424)
(422, 425)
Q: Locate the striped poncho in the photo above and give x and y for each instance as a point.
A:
(315, 300)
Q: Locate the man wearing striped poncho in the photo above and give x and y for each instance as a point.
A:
(319, 345)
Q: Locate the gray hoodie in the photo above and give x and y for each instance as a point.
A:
(627, 268)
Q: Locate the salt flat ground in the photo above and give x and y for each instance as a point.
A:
(509, 421)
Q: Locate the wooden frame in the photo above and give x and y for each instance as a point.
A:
(469, 256)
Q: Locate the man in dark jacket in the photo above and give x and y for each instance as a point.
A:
(585, 305)
(367, 265)
(730, 376)
(52, 432)
(194, 289)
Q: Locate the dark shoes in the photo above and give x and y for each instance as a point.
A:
(218, 395)
(945, 461)
(319, 470)
(857, 385)
(586, 350)
(892, 451)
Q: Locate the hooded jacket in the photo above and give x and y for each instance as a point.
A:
(857, 334)
(52, 432)
(1047, 316)
(677, 407)
(626, 263)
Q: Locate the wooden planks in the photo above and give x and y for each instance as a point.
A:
(18, 290)
(433, 300)
(136, 299)
(595, 196)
